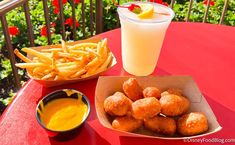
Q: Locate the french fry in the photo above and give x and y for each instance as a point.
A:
(46, 71)
(66, 73)
(21, 56)
(99, 49)
(30, 70)
(79, 52)
(66, 64)
(62, 60)
(92, 51)
(48, 76)
(104, 48)
(104, 42)
(37, 76)
(64, 47)
(66, 61)
(78, 73)
(101, 65)
(105, 64)
(30, 65)
(70, 67)
(79, 59)
(91, 70)
(49, 55)
(38, 54)
(57, 77)
(65, 54)
(52, 50)
(38, 70)
(35, 59)
(104, 53)
(82, 45)
(92, 63)
(40, 74)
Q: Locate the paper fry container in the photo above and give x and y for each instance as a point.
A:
(108, 85)
(51, 83)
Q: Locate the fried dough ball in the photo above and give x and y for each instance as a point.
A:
(145, 108)
(132, 89)
(117, 104)
(126, 123)
(152, 92)
(173, 105)
(160, 124)
(192, 124)
(174, 91)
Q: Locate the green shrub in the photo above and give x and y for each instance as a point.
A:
(198, 11)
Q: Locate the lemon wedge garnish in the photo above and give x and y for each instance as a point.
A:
(147, 11)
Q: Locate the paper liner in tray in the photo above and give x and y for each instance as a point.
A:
(51, 83)
(107, 85)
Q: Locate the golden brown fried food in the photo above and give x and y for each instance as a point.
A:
(174, 105)
(160, 124)
(117, 104)
(152, 92)
(192, 124)
(126, 123)
(132, 89)
(145, 108)
(174, 91)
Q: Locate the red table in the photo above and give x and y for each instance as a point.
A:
(204, 51)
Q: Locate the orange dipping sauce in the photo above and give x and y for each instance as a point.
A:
(63, 114)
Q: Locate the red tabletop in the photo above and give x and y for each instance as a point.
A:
(204, 51)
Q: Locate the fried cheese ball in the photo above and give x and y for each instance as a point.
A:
(174, 105)
(160, 124)
(174, 91)
(117, 104)
(126, 123)
(145, 108)
(132, 89)
(152, 92)
(192, 124)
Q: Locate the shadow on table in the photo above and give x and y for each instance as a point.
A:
(225, 117)
(85, 136)
(157, 71)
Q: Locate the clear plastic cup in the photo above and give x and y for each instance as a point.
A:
(142, 38)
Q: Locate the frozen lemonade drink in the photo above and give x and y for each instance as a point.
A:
(143, 27)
